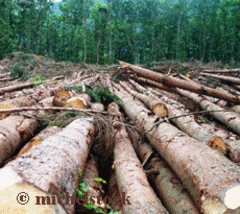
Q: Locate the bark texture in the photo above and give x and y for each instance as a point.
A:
(210, 178)
(176, 82)
(51, 167)
(172, 193)
(34, 142)
(131, 179)
(14, 131)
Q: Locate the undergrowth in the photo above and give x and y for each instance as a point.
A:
(99, 95)
(83, 188)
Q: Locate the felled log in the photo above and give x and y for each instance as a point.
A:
(203, 171)
(172, 193)
(176, 82)
(230, 119)
(5, 74)
(95, 189)
(6, 79)
(131, 179)
(97, 107)
(235, 109)
(225, 78)
(34, 142)
(115, 204)
(14, 130)
(50, 169)
(189, 126)
(226, 71)
(152, 102)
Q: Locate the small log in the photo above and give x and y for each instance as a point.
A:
(36, 141)
(230, 119)
(97, 107)
(95, 189)
(172, 193)
(152, 102)
(14, 130)
(176, 82)
(203, 171)
(6, 79)
(61, 97)
(5, 74)
(50, 169)
(225, 78)
(226, 71)
(131, 179)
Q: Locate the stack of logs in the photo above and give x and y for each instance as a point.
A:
(167, 163)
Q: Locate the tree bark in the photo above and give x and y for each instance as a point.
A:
(203, 171)
(171, 191)
(225, 78)
(131, 178)
(50, 169)
(34, 142)
(152, 102)
(175, 82)
(188, 125)
(14, 131)
(114, 194)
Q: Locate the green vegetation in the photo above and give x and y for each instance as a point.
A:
(99, 95)
(37, 80)
(81, 193)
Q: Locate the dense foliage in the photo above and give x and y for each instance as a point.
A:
(136, 31)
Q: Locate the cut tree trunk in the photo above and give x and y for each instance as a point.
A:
(203, 171)
(230, 119)
(47, 132)
(14, 130)
(61, 97)
(172, 193)
(176, 82)
(188, 124)
(80, 102)
(5, 74)
(152, 102)
(6, 79)
(50, 169)
(225, 78)
(131, 178)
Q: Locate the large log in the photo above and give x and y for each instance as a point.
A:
(14, 131)
(152, 102)
(37, 140)
(176, 82)
(50, 169)
(203, 171)
(225, 78)
(188, 124)
(172, 193)
(131, 178)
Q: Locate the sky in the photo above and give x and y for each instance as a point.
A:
(56, 0)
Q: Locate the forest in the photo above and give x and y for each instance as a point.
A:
(137, 31)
